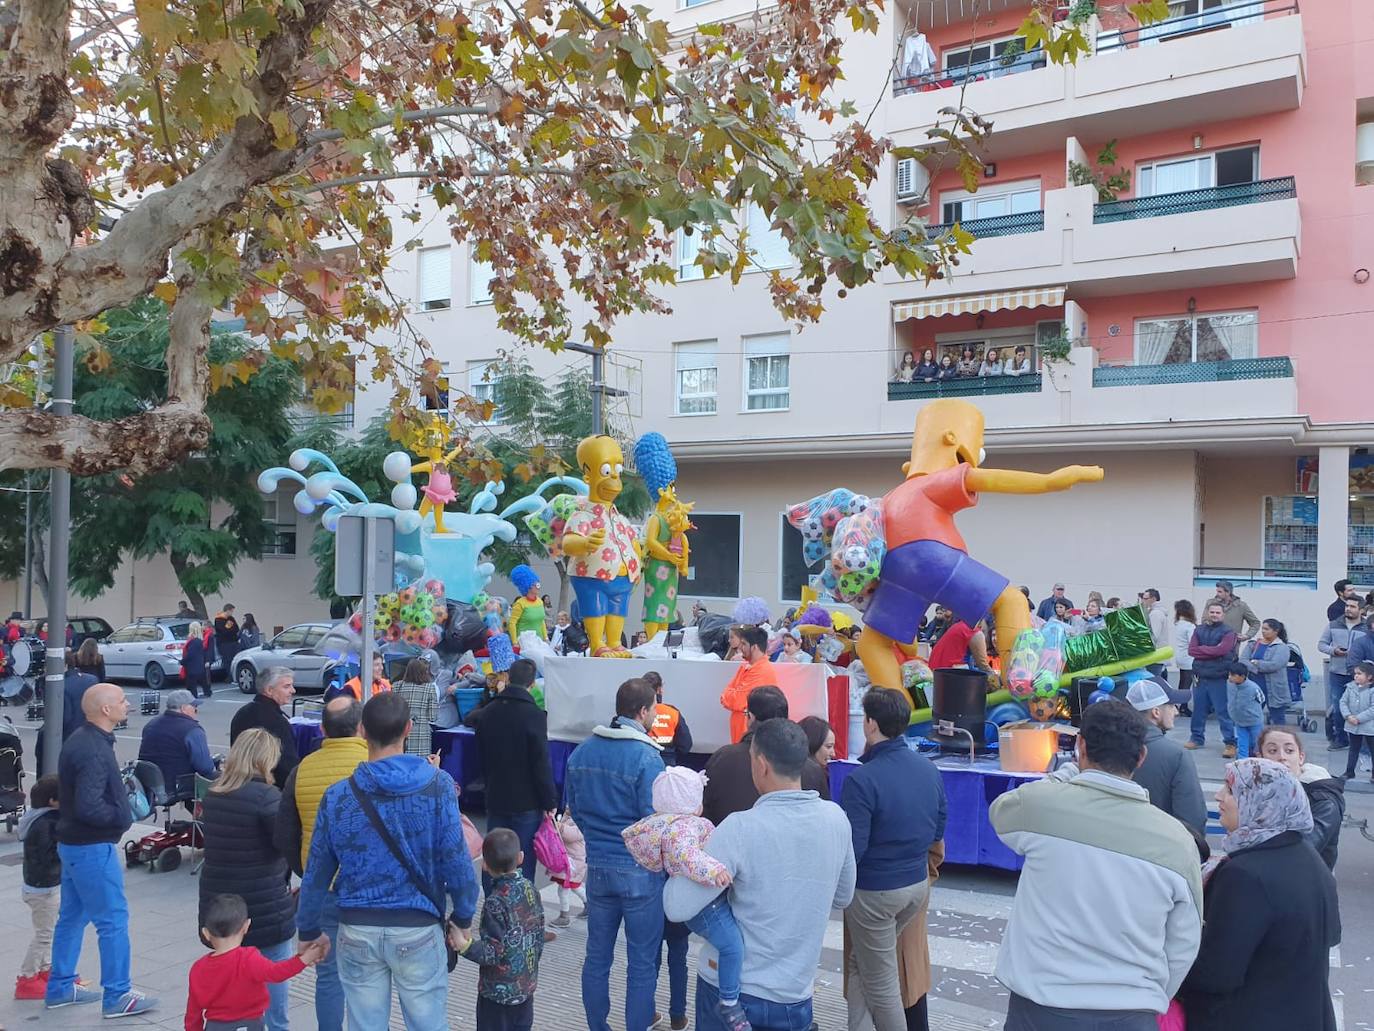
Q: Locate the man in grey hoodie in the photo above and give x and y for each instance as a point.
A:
(791, 858)
(1168, 772)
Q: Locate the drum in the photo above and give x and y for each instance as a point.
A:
(15, 691)
(27, 656)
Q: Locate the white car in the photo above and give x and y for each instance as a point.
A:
(296, 648)
(149, 650)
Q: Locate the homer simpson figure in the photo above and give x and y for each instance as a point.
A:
(527, 612)
(927, 560)
(604, 546)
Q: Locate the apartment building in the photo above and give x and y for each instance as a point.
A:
(1204, 333)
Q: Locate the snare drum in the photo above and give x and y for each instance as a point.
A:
(27, 656)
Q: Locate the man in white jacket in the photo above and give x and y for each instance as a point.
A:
(1115, 944)
(1158, 615)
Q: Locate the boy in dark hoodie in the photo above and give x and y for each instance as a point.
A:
(42, 884)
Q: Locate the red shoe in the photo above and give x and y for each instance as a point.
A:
(30, 988)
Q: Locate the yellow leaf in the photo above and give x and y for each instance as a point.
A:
(166, 293)
(281, 129)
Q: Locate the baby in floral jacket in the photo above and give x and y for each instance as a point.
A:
(673, 841)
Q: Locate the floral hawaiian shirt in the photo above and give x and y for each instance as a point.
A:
(616, 556)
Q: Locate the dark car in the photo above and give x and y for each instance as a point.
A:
(84, 628)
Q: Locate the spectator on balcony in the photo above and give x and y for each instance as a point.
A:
(927, 370)
(968, 363)
(907, 369)
(992, 363)
(1018, 365)
(947, 369)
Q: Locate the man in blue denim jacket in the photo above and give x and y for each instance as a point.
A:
(609, 785)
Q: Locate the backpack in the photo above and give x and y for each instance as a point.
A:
(138, 799)
(549, 849)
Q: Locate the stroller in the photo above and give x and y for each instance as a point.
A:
(12, 797)
(1298, 676)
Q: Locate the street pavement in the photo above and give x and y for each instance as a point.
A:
(969, 913)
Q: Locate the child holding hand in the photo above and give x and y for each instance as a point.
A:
(228, 990)
(673, 840)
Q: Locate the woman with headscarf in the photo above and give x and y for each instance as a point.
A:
(1270, 913)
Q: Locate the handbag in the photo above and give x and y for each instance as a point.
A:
(549, 849)
(436, 899)
(472, 837)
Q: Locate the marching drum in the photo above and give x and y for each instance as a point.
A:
(27, 656)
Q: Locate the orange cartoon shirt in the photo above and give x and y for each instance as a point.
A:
(616, 556)
(922, 508)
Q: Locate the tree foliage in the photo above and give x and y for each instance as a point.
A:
(206, 514)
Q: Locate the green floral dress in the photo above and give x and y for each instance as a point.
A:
(660, 579)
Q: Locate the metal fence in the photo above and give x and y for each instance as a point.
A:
(1232, 15)
(974, 386)
(1192, 372)
(943, 78)
(998, 225)
(1185, 201)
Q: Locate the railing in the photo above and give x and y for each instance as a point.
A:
(998, 225)
(1243, 13)
(1192, 372)
(974, 386)
(1186, 201)
(943, 78)
(1285, 574)
(304, 418)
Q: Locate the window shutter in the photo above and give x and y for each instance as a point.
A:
(699, 354)
(435, 277)
(769, 247)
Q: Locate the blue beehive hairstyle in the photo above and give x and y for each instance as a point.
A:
(524, 578)
(500, 652)
(655, 463)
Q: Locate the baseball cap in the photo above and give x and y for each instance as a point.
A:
(1151, 693)
(177, 698)
(1058, 587)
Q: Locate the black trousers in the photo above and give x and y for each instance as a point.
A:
(492, 1016)
(1352, 757)
(917, 1016)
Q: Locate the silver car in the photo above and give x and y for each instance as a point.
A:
(149, 650)
(296, 648)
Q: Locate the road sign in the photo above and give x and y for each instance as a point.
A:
(351, 543)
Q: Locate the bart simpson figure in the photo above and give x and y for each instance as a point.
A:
(927, 560)
(527, 612)
(604, 547)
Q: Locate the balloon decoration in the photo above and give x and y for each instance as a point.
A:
(415, 615)
(848, 528)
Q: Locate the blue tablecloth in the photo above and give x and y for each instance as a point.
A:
(457, 748)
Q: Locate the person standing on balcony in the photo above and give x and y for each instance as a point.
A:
(927, 370)
(968, 363)
(1019, 365)
(947, 369)
(992, 363)
(907, 369)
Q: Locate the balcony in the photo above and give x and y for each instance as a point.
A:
(1239, 61)
(1192, 372)
(1186, 201)
(978, 71)
(1000, 225)
(976, 386)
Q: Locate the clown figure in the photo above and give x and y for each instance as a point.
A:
(527, 612)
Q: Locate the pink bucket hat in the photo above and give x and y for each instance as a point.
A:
(678, 790)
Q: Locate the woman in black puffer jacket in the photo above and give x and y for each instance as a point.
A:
(1325, 793)
(240, 813)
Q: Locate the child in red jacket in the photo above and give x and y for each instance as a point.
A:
(228, 989)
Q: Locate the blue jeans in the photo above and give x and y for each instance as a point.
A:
(329, 993)
(413, 959)
(1247, 741)
(1336, 684)
(675, 936)
(1209, 695)
(635, 896)
(716, 923)
(92, 893)
(277, 994)
(763, 1014)
(524, 824)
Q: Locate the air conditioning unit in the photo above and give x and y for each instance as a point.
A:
(912, 181)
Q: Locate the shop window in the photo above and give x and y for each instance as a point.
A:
(715, 568)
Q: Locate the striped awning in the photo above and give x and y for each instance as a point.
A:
(969, 304)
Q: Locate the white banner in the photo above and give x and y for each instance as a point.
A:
(579, 693)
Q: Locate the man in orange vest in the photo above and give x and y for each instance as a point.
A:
(379, 683)
(670, 729)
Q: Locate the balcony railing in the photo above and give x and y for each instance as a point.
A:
(974, 386)
(1186, 201)
(943, 78)
(1291, 574)
(1231, 15)
(1192, 372)
(998, 225)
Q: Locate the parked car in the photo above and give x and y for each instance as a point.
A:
(84, 628)
(149, 650)
(296, 648)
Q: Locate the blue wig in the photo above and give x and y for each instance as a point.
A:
(524, 578)
(655, 463)
(501, 653)
(751, 611)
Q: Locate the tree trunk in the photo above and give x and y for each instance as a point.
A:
(563, 585)
(193, 596)
(40, 563)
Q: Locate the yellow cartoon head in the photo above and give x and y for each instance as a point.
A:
(674, 511)
(430, 439)
(948, 432)
(601, 462)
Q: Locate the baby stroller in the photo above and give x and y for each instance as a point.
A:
(12, 797)
(1298, 676)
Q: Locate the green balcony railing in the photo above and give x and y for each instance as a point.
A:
(974, 386)
(998, 225)
(1192, 372)
(1186, 201)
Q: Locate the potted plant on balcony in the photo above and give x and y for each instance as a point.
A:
(1012, 53)
(1109, 181)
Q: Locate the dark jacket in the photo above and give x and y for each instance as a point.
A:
(175, 743)
(94, 805)
(240, 859)
(38, 832)
(193, 660)
(1045, 610)
(730, 784)
(1170, 776)
(1327, 799)
(267, 714)
(1213, 648)
(1361, 648)
(226, 634)
(513, 734)
(1270, 916)
(510, 941)
(895, 802)
(74, 685)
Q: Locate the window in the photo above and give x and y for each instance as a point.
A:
(796, 574)
(695, 377)
(435, 398)
(1186, 16)
(958, 58)
(766, 373)
(989, 202)
(714, 572)
(1199, 172)
(688, 247)
(1217, 337)
(436, 278)
(482, 379)
(291, 637)
(124, 635)
(769, 247)
(480, 274)
(279, 513)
